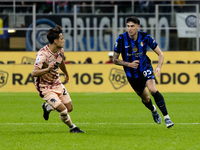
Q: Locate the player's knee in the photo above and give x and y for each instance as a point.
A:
(153, 91)
(69, 107)
(146, 99)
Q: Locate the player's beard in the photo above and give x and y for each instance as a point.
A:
(132, 34)
(60, 46)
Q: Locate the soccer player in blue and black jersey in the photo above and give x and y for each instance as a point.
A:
(132, 45)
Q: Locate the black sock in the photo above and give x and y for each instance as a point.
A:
(160, 102)
(149, 105)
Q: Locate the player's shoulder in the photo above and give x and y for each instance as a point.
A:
(143, 35)
(122, 35)
(43, 51)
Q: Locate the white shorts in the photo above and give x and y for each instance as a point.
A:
(56, 96)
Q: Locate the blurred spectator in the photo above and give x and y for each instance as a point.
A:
(63, 6)
(48, 6)
(124, 7)
(110, 55)
(180, 4)
(6, 9)
(88, 60)
(86, 7)
(146, 6)
(19, 8)
(165, 6)
(108, 8)
(78, 6)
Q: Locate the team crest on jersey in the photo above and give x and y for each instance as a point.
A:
(135, 49)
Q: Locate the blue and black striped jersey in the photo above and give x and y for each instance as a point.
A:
(132, 50)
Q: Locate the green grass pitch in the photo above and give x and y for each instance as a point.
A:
(111, 121)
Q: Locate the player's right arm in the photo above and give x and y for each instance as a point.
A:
(120, 62)
(38, 72)
(117, 50)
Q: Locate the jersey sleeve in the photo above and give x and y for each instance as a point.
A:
(151, 42)
(40, 59)
(118, 44)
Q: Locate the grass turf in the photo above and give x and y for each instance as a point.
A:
(111, 121)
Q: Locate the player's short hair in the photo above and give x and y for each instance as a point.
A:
(133, 19)
(53, 33)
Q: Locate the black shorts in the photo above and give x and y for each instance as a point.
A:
(138, 84)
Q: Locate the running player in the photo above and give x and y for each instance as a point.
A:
(47, 80)
(132, 45)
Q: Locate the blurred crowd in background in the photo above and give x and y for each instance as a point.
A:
(85, 6)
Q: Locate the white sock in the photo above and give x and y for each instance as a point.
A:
(48, 107)
(154, 108)
(73, 126)
(165, 117)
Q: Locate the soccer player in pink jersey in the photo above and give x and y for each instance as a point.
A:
(47, 80)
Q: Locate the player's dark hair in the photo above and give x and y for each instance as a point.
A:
(53, 33)
(133, 19)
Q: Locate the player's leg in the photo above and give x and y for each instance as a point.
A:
(67, 102)
(66, 99)
(53, 100)
(69, 106)
(139, 87)
(46, 110)
(148, 103)
(160, 102)
(64, 116)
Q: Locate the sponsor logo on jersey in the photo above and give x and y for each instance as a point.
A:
(138, 54)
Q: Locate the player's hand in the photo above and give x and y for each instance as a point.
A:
(51, 69)
(158, 71)
(134, 64)
(66, 78)
(51, 66)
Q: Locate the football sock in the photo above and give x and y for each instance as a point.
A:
(165, 117)
(149, 105)
(160, 102)
(48, 107)
(72, 127)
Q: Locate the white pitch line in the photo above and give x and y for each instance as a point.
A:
(103, 123)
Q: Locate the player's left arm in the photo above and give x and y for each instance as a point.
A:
(64, 70)
(158, 51)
